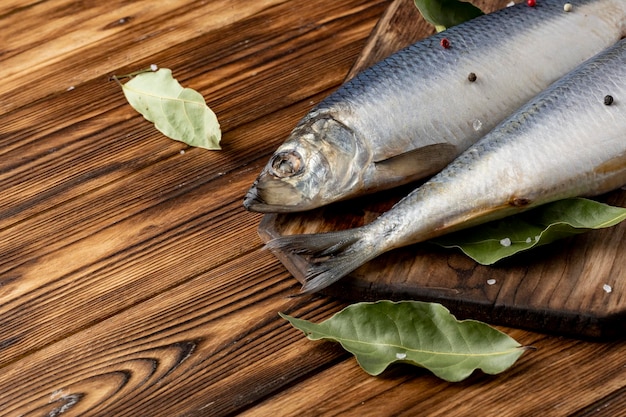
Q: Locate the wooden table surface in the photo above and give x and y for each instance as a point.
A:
(133, 282)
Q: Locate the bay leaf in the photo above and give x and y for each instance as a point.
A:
(177, 112)
(444, 14)
(419, 333)
(491, 242)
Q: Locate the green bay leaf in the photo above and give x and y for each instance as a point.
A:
(177, 112)
(419, 333)
(444, 14)
(489, 243)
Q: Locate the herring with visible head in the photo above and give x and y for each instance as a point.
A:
(568, 141)
(408, 116)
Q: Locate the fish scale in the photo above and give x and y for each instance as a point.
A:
(566, 142)
(408, 116)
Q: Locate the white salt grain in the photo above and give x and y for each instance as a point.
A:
(477, 125)
(506, 242)
(491, 282)
(607, 288)
(567, 7)
(154, 67)
(400, 355)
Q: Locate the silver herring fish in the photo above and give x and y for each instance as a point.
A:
(408, 116)
(570, 140)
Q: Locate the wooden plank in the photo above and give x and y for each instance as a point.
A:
(405, 392)
(610, 406)
(557, 289)
(184, 350)
(69, 43)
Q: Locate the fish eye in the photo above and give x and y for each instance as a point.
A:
(286, 164)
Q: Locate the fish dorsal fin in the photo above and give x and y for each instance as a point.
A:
(418, 163)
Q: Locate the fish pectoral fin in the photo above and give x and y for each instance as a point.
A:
(418, 163)
(613, 165)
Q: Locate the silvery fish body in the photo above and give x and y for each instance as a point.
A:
(568, 141)
(408, 116)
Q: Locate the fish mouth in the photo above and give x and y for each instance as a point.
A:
(254, 200)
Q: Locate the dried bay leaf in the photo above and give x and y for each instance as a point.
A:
(177, 112)
(419, 333)
(489, 243)
(444, 14)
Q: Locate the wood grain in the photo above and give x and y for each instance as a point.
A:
(435, 398)
(132, 281)
(80, 205)
(168, 341)
(557, 289)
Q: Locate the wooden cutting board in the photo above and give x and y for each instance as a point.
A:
(575, 287)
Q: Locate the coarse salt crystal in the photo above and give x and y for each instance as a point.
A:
(477, 125)
(607, 288)
(528, 240)
(567, 7)
(154, 67)
(506, 242)
(400, 355)
(491, 281)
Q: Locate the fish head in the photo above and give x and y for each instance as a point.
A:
(315, 166)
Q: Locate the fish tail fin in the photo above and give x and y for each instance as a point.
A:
(331, 255)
